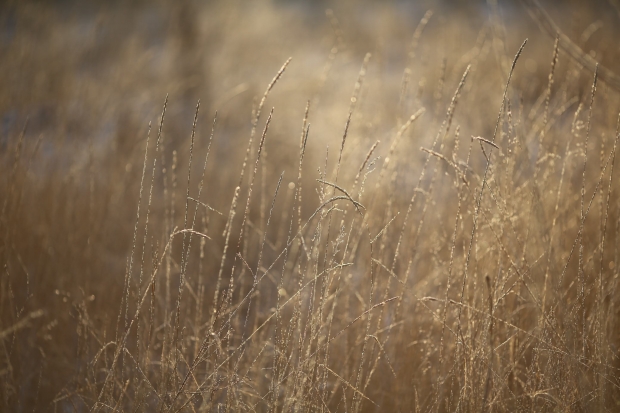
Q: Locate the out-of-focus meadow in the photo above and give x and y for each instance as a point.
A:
(416, 212)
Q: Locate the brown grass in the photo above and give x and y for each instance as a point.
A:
(265, 206)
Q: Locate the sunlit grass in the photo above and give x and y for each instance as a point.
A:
(270, 207)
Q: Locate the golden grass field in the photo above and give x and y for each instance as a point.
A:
(284, 205)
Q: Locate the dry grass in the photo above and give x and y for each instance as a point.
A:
(417, 212)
